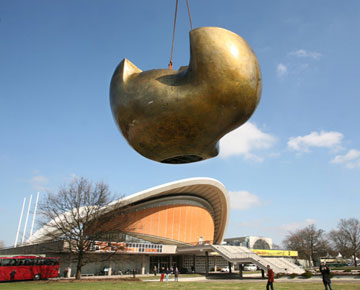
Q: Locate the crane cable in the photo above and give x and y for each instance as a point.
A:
(173, 37)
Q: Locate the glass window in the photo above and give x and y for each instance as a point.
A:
(8, 262)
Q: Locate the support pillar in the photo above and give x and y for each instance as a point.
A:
(68, 274)
(241, 271)
(207, 263)
(143, 265)
(193, 267)
(262, 273)
(109, 270)
(230, 265)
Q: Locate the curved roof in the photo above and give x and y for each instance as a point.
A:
(213, 191)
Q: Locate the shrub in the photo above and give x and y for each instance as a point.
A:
(307, 275)
(332, 274)
(293, 275)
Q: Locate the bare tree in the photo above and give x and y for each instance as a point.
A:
(276, 247)
(339, 243)
(309, 242)
(80, 214)
(347, 238)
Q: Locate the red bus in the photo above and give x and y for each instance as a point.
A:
(28, 268)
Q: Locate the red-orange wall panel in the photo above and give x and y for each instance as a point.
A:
(185, 223)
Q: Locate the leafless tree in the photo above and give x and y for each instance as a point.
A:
(276, 247)
(309, 242)
(79, 215)
(347, 238)
(339, 243)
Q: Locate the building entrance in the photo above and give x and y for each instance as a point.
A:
(164, 262)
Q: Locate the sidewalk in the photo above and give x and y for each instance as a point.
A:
(248, 279)
(259, 280)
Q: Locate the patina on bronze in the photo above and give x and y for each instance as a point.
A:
(179, 116)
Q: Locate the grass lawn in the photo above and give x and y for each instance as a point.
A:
(109, 285)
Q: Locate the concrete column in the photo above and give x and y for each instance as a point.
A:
(241, 271)
(194, 263)
(215, 264)
(230, 266)
(143, 265)
(110, 270)
(262, 273)
(207, 263)
(68, 273)
(69, 267)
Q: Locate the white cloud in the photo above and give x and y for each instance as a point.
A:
(331, 140)
(351, 159)
(39, 182)
(306, 54)
(244, 140)
(297, 225)
(243, 200)
(281, 70)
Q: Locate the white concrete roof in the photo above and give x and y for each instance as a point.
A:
(213, 191)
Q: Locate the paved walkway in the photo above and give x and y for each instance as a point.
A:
(259, 280)
(249, 278)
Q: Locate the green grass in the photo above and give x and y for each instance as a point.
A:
(110, 285)
(346, 268)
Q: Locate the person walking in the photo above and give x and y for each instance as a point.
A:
(162, 271)
(167, 274)
(325, 272)
(155, 270)
(270, 275)
(176, 274)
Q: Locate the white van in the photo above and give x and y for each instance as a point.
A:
(250, 267)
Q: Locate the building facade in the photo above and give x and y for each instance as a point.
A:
(159, 220)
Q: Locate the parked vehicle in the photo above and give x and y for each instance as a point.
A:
(250, 267)
(28, 268)
(225, 269)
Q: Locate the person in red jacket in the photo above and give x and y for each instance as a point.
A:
(162, 276)
(270, 275)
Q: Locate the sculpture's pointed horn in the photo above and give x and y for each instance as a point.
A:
(125, 70)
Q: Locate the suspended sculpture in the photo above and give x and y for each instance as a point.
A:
(179, 116)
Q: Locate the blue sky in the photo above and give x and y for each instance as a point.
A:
(296, 162)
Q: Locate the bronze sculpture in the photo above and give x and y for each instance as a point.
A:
(179, 116)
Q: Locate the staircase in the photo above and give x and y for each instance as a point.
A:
(242, 255)
(285, 264)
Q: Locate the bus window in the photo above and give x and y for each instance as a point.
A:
(11, 262)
